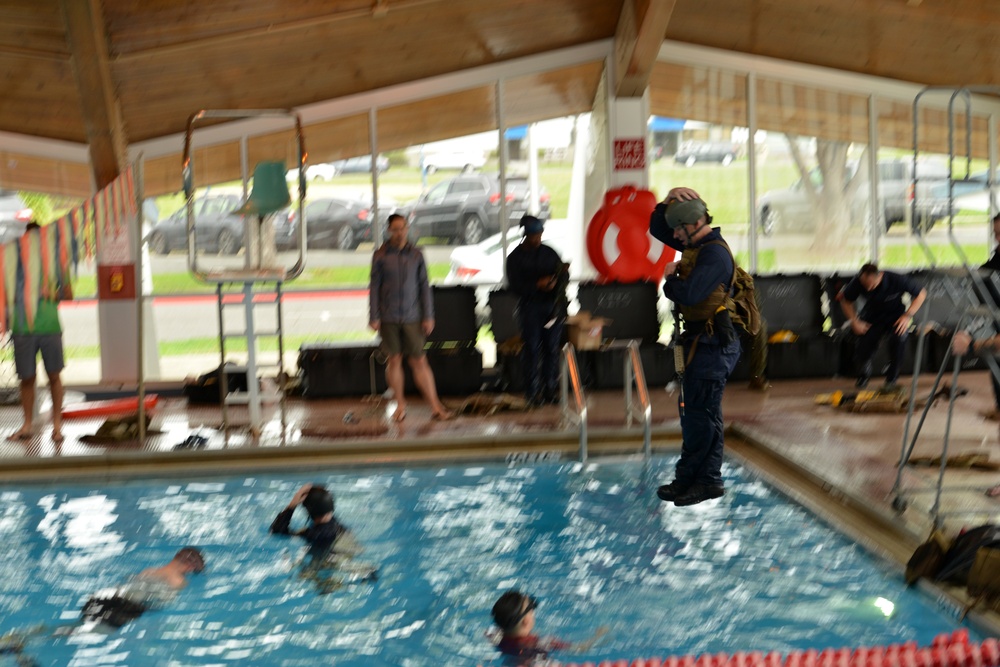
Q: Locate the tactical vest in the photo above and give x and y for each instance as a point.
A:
(698, 318)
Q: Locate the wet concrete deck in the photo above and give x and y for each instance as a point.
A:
(852, 454)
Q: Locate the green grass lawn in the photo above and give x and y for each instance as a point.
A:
(724, 188)
(327, 277)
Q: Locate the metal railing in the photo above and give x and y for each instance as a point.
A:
(575, 414)
(641, 409)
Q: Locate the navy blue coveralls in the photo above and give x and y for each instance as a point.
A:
(713, 361)
(883, 306)
(536, 309)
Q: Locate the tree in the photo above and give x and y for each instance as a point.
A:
(834, 195)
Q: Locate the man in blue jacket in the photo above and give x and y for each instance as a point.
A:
(401, 310)
(699, 284)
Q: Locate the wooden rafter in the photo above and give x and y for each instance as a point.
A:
(99, 101)
(638, 37)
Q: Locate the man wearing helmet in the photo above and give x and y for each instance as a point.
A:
(699, 285)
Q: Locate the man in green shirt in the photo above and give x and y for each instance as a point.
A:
(43, 335)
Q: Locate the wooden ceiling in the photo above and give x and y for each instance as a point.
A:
(109, 74)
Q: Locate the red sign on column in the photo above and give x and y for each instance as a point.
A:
(630, 154)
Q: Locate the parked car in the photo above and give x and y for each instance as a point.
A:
(972, 193)
(466, 208)
(464, 161)
(481, 265)
(324, 171)
(692, 152)
(217, 228)
(14, 216)
(361, 165)
(791, 210)
(331, 222)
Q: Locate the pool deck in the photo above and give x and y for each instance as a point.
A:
(852, 456)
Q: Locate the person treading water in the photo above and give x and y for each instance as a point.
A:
(332, 546)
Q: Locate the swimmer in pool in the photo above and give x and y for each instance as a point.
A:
(332, 546)
(153, 588)
(514, 615)
(107, 611)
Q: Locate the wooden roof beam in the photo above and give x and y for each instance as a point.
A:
(98, 100)
(638, 37)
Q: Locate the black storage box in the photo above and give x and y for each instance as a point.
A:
(458, 371)
(510, 376)
(205, 389)
(791, 302)
(949, 296)
(331, 370)
(631, 307)
(831, 288)
(503, 315)
(454, 315)
(607, 366)
(807, 357)
(937, 346)
(880, 362)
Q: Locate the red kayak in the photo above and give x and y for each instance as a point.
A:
(116, 406)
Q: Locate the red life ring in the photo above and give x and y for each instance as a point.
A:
(618, 240)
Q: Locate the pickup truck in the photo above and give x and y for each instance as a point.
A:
(790, 210)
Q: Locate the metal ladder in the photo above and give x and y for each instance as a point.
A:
(573, 400)
(247, 300)
(268, 197)
(973, 294)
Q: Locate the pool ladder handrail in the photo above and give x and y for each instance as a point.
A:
(569, 378)
(642, 409)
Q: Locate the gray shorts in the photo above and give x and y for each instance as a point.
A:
(406, 338)
(26, 349)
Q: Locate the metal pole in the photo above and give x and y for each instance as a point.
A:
(752, 241)
(502, 155)
(138, 177)
(875, 229)
(373, 150)
(936, 510)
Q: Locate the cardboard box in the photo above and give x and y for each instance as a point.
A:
(585, 332)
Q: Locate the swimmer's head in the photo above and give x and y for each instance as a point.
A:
(318, 502)
(192, 558)
(512, 608)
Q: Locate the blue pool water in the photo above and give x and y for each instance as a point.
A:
(748, 572)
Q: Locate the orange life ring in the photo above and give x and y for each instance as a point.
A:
(618, 241)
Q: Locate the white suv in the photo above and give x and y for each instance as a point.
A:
(14, 216)
(463, 161)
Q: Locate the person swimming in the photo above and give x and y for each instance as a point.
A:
(109, 610)
(153, 588)
(332, 545)
(514, 615)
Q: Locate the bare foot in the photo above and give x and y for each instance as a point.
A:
(443, 415)
(399, 415)
(22, 434)
(57, 436)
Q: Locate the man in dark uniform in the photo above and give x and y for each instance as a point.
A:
(699, 285)
(538, 277)
(884, 314)
(993, 264)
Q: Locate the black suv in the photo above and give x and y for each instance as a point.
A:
(466, 208)
(217, 228)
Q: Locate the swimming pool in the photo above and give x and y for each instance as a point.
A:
(748, 572)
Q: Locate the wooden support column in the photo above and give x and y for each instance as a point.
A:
(641, 28)
(98, 99)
